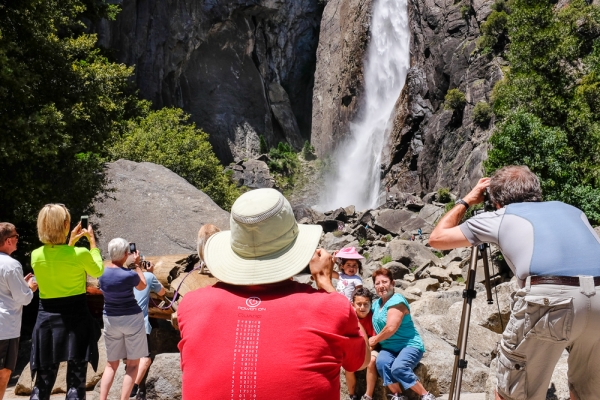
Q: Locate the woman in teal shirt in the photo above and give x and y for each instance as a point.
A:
(401, 344)
(64, 330)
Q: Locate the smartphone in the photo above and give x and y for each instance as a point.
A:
(84, 222)
(132, 248)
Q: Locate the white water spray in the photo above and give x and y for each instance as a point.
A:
(357, 172)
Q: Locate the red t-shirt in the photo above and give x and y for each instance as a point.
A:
(285, 340)
(367, 323)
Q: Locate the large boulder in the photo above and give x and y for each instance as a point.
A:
(155, 208)
(413, 254)
(164, 378)
(392, 221)
(435, 369)
(430, 213)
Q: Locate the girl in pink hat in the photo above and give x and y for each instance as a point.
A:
(350, 267)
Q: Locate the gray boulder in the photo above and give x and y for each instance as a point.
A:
(430, 213)
(413, 254)
(427, 284)
(164, 378)
(397, 269)
(391, 221)
(332, 241)
(155, 208)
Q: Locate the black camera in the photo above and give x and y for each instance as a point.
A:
(132, 248)
(487, 202)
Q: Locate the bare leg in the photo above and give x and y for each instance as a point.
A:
(419, 389)
(371, 377)
(107, 378)
(131, 370)
(351, 382)
(4, 378)
(395, 388)
(144, 365)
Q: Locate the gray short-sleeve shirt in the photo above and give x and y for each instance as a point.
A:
(546, 238)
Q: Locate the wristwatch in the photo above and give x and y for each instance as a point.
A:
(461, 201)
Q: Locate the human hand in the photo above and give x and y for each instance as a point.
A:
(76, 234)
(372, 342)
(90, 236)
(475, 196)
(31, 282)
(321, 268)
(136, 258)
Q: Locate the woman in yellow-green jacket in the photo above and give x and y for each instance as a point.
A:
(64, 330)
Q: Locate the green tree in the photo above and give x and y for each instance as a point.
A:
(548, 102)
(455, 100)
(482, 113)
(166, 137)
(61, 101)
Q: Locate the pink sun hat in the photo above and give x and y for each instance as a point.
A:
(349, 253)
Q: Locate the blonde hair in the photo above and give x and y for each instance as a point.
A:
(204, 233)
(53, 224)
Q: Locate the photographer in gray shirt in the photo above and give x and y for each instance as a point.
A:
(555, 255)
(15, 292)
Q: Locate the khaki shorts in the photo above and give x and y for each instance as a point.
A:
(125, 337)
(545, 320)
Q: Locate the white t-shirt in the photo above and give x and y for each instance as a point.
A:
(346, 284)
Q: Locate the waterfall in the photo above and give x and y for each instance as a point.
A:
(356, 177)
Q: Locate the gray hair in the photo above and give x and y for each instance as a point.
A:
(118, 249)
(514, 184)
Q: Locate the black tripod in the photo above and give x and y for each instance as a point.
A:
(460, 362)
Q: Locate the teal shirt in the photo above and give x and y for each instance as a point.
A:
(406, 335)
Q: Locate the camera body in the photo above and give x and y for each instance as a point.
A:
(487, 202)
(132, 248)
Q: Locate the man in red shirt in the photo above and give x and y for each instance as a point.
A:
(257, 334)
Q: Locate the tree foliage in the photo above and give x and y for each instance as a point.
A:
(549, 100)
(61, 100)
(482, 113)
(455, 100)
(165, 137)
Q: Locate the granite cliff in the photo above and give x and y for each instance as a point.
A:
(241, 68)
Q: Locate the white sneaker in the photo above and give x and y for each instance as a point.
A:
(397, 396)
(428, 396)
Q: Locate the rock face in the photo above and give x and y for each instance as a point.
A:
(241, 68)
(444, 148)
(155, 208)
(339, 72)
(428, 147)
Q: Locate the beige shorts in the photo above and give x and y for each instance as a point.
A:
(545, 320)
(125, 337)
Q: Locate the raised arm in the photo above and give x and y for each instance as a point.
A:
(447, 234)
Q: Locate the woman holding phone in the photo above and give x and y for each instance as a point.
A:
(124, 327)
(64, 330)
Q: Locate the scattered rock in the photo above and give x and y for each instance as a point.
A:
(252, 173)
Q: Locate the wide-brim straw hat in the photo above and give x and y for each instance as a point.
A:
(265, 243)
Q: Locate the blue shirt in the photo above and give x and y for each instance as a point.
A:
(406, 335)
(117, 286)
(143, 296)
(545, 238)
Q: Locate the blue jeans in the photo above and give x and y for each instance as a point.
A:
(398, 367)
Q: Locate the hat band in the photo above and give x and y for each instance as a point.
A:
(242, 219)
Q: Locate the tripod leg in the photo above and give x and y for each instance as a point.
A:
(460, 351)
(484, 249)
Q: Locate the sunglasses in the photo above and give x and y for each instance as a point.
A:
(15, 235)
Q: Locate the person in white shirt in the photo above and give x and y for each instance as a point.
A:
(15, 292)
